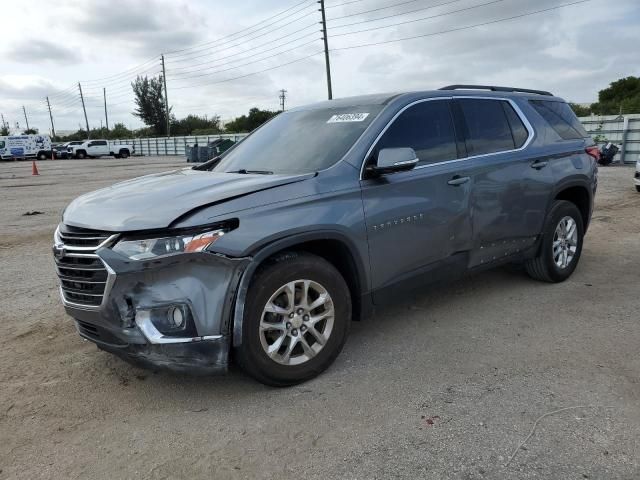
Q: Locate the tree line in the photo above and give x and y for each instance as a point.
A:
(619, 98)
(150, 108)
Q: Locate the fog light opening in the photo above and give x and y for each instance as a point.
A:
(176, 317)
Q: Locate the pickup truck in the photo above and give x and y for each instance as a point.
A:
(99, 148)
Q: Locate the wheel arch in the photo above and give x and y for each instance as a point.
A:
(333, 246)
(579, 195)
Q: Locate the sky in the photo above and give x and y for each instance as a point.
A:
(223, 58)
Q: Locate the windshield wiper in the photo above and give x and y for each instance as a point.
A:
(251, 172)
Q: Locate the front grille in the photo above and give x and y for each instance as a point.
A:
(81, 237)
(82, 274)
(99, 334)
(88, 329)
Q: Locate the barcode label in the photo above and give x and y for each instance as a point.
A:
(348, 117)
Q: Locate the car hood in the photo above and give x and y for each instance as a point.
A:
(155, 201)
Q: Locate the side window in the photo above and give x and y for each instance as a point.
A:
(518, 130)
(101, 143)
(91, 144)
(488, 130)
(427, 127)
(561, 118)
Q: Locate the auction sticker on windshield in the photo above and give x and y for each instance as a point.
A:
(348, 117)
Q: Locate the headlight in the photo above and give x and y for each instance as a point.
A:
(160, 247)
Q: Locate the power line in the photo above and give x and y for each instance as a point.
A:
(244, 51)
(467, 27)
(123, 72)
(239, 31)
(249, 40)
(186, 56)
(250, 74)
(343, 4)
(430, 7)
(418, 19)
(124, 79)
(375, 9)
(244, 64)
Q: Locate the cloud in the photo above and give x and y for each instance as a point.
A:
(146, 27)
(37, 50)
(565, 51)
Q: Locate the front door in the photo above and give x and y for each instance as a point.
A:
(418, 220)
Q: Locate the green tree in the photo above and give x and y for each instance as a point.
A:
(196, 125)
(120, 130)
(622, 96)
(579, 110)
(4, 131)
(149, 101)
(248, 123)
(30, 131)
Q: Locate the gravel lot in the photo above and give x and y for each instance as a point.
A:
(445, 386)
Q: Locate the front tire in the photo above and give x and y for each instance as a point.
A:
(81, 155)
(561, 244)
(124, 154)
(638, 188)
(42, 156)
(297, 319)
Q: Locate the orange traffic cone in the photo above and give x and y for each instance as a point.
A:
(34, 168)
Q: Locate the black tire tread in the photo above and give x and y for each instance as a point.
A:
(537, 267)
(240, 353)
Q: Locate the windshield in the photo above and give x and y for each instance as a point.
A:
(302, 141)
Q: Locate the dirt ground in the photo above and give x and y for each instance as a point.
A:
(446, 386)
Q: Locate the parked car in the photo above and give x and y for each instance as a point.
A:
(60, 150)
(320, 215)
(100, 148)
(25, 146)
(636, 178)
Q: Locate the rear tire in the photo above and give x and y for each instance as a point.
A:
(638, 188)
(124, 154)
(284, 342)
(561, 244)
(42, 156)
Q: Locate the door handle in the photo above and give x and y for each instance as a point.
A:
(539, 164)
(458, 180)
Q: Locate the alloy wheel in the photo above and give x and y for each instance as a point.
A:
(296, 322)
(565, 242)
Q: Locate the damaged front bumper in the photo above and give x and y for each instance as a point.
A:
(130, 320)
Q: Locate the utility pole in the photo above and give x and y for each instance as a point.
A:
(283, 96)
(86, 120)
(106, 117)
(53, 129)
(326, 48)
(4, 124)
(25, 116)
(166, 97)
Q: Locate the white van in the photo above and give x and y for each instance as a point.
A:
(25, 146)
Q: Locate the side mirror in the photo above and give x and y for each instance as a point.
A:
(393, 160)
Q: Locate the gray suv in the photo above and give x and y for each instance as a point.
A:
(266, 254)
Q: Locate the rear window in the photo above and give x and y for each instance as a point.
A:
(561, 118)
(488, 129)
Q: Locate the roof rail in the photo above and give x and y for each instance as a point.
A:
(496, 89)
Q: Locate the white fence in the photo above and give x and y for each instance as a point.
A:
(622, 130)
(173, 145)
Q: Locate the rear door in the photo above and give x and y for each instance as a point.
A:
(511, 187)
(418, 221)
